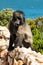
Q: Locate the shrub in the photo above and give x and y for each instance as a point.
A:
(5, 16)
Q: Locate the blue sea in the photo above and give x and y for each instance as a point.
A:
(33, 13)
(31, 8)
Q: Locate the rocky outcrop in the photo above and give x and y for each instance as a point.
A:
(26, 56)
(19, 56)
(4, 37)
(4, 42)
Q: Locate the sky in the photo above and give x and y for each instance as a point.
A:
(31, 8)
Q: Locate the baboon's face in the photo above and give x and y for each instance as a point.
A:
(18, 18)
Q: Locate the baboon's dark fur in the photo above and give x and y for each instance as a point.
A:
(19, 37)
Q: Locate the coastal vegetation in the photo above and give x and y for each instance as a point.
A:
(36, 28)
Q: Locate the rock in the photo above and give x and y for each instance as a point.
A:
(4, 31)
(4, 42)
(20, 62)
(27, 56)
(4, 58)
(4, 53)
(4, 37)
(15, 62)
(18, 56)
(11, 60)
(34, 63)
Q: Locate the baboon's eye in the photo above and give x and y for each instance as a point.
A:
(19, 18)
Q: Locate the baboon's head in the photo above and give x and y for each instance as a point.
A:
(18, 18)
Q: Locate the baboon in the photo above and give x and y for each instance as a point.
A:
(20, 32)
